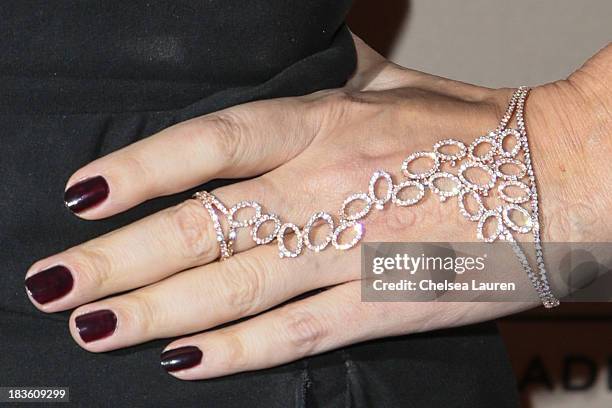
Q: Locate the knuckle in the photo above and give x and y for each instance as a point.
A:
(244, 284)
(303, 330)
(236, 351)
(227, 132)
(193, 229)
(340, 97)
(139, 169)
(143, 316)
(338, 104)
(94, 265)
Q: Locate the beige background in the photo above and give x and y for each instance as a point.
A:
(487, 42)
(510, 43)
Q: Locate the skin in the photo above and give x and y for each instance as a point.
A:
(308, 153)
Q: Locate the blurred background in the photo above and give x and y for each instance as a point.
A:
(561, 358)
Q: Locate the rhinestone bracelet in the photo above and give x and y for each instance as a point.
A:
(492, 162)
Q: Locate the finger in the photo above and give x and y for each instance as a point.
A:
(325, 321)
(238, 142)
(329, 320)
(202, 298)
(144, 252)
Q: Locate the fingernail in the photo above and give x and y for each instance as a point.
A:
(181, 358)
(50, 284)
(86, 194)
(96, 325)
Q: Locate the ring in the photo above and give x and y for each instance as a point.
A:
(214, 206)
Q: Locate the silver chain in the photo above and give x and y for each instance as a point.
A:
(540, 281)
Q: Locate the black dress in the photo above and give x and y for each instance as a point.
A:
(80, 79)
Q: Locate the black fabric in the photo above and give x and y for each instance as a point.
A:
(80, 79)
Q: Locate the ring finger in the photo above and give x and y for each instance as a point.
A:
(151, 249)
(205, 297)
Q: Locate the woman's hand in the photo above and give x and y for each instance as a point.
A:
(309, 153)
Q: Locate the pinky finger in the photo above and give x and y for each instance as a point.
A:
(322, 322)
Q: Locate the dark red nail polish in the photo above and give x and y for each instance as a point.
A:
(181, 358)
(96, 325)
(50, 284)
(86, 194)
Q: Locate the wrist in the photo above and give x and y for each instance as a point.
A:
(571, 147)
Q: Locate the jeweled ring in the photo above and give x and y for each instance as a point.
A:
(214, 206)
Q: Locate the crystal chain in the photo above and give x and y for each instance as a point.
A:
(465, 158)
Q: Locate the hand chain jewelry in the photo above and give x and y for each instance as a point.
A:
(492, 162)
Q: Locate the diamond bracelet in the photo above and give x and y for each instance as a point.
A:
(494, 162)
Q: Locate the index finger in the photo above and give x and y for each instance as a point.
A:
(241, 141)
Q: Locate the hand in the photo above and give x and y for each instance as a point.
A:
(308, 154)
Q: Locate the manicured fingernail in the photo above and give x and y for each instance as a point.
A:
(86, 194)
(181, 358)
(96, 325)
(50, 284)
